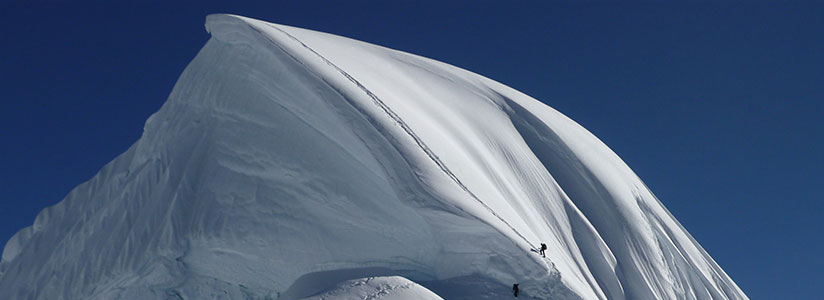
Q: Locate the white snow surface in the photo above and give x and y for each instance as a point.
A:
(287, 161)
(378, 288)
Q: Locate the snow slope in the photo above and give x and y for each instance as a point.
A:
(287, 162)
(386, 288)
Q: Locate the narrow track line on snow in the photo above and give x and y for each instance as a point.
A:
(397, 119)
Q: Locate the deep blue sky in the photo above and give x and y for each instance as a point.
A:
(717, 107)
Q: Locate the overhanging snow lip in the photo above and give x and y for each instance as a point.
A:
(231, 28)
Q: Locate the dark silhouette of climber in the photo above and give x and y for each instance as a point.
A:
(515, 289)
(543, 248)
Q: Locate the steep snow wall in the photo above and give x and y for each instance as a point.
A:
(286, 155)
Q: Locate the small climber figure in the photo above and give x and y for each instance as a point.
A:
(515, 289)
(543, 248)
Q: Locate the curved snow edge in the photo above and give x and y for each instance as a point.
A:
(14, 246)
(245, 32)
(376, 288)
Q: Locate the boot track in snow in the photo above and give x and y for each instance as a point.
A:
(408, 130)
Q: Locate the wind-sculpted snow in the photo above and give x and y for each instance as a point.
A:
(292, 164)
(378, 288)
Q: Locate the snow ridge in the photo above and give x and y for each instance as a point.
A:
(291, 164)
(408, 130)
(378, 288)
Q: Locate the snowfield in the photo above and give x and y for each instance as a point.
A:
(294, 164)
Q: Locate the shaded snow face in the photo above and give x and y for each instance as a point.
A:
(286, 161)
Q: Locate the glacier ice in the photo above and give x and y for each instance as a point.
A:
(290, 164)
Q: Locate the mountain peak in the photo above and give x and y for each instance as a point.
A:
(287, 158)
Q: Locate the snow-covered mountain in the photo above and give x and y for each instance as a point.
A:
(291, 164)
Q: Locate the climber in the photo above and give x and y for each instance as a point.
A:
(543, 248)
(515, 289)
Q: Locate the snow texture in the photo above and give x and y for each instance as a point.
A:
(288, 163)
(378, 288)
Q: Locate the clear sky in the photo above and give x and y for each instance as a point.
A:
(717, 107)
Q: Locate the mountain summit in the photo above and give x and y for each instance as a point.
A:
(291, 164)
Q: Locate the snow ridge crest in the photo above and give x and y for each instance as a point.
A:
(293, 164)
